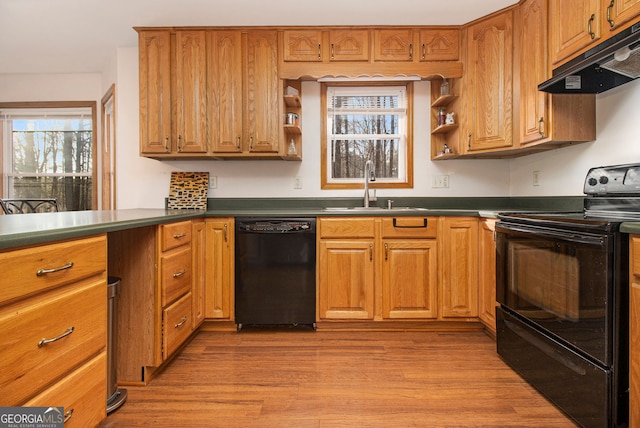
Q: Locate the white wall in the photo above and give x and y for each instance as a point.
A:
(562, 171)
(145, 183)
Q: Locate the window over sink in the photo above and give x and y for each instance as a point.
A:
(367, 121)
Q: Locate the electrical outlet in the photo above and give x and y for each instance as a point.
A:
(440, 181)
(297, 183)
(536, 178)
(213, 182)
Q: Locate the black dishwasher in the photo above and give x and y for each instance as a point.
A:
(275, 272)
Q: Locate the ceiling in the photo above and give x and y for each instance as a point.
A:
(81, 36)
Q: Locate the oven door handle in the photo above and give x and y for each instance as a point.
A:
(556, 235)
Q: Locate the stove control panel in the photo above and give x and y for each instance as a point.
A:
(613, 180)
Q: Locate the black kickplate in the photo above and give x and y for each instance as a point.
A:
(276, 327)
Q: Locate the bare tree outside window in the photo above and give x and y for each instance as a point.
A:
(51, 156)
(366, 123)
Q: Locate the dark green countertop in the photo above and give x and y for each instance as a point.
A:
(30, 229)
(630, 227)
(27, 229)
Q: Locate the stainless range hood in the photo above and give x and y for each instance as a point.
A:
(611, 63)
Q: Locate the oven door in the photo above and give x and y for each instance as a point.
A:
(559, 281)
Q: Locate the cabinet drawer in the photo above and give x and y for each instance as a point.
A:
(70, 261)
(341, 227)
(177, 324)
(29, 367)
(409, 227)
(175, 234)
(82, 393)
(175, 275)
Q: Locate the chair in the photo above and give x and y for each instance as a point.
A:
(25, 206)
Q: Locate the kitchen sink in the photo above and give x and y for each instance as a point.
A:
(392, 209)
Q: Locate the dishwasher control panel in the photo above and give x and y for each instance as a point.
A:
(276, 225)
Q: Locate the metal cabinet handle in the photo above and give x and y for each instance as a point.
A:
(370, 252)
(611, 22)
(319, 52)
(332, 50)
(238, 142)
(179, 143)
(41, 272)
(182, 321)
(224, 232)
(251, 142)
(68, 414)
(424, 51)
(66, 333)
(541, 127)
(179, 274)
(396, 225)
(386, 251)
(411, 51)
(179, 235)
(591, 33)
(469, 141)
(166, 143)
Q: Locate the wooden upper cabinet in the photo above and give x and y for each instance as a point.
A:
(224, 81)
(573, 25)
(262, 91)
(190, 92)
(302, 45)
(393, 45)
(439, 44)
(488, 122)
(618, 13)
(155, 91)
(349, 45)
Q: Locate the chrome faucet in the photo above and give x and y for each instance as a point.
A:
(369, 175)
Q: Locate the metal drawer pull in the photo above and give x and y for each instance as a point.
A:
(179, 274)
(179, 235)
(395, 224)
(182, 321)
(44, 341)
(386, 251)
(41, 272)
(68, 414)
(591, 33)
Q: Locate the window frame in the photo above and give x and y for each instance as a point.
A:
(324, 143)
(53, 105)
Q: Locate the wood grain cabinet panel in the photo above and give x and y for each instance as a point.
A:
(634, 332)
(393, 45)
(439, 44)
(219, 268)
(176, 324)
(487, 274)
(487, 119)
(573, 25)
(349, 45)
(302, 45)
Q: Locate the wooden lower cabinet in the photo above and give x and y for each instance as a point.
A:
(634, 332)
(487, 273)
(155, 299)
(219, 268)
(459, 267)
(346, 279)
(55, 333)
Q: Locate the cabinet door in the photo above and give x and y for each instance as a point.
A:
(393, 45)
(488, 83)
(346, 288)
(459, 240)
(224, 63)
(219, 268)
(531, 61)
(198, 271)
(190, 92)
(262, 92)
(155, 91)
(409, 279)
(439, 45)
(573, 25)
(302, 45)
(620, 12)
(349, 45)
(487, 274)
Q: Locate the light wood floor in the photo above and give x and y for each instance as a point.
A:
(337, 379)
